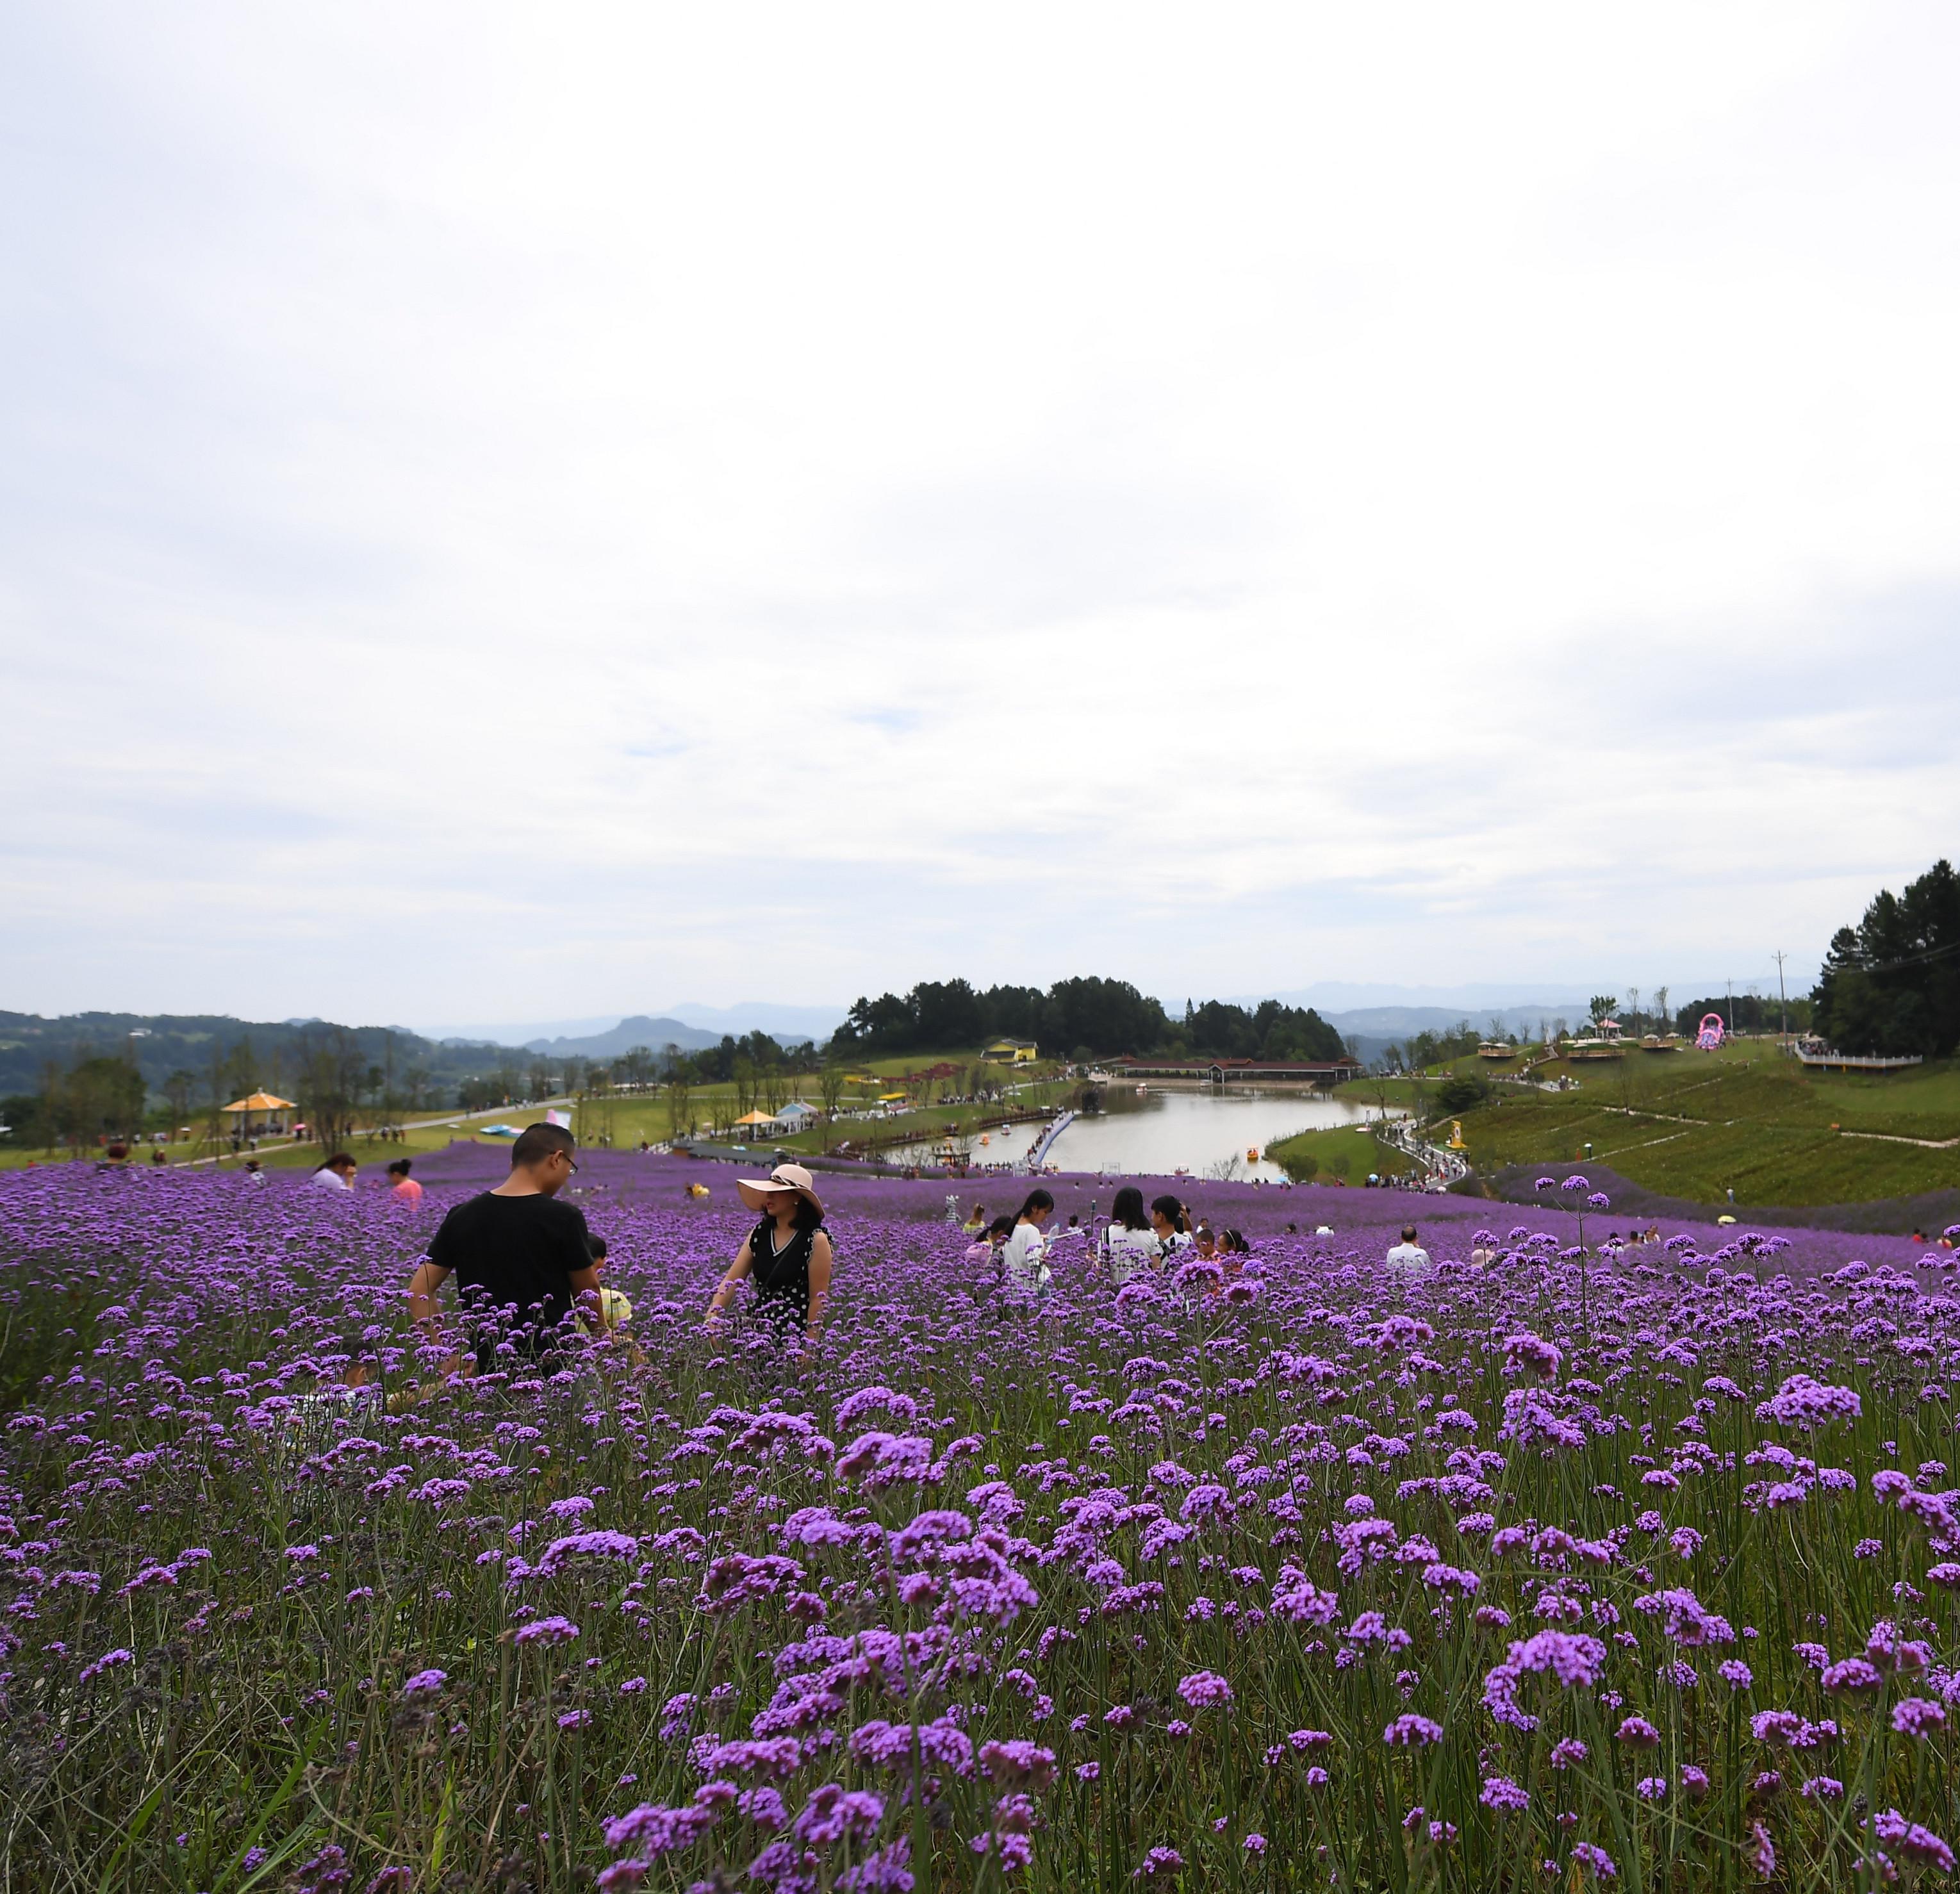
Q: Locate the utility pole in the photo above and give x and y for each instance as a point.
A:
(1728, 986)
(1783, 998)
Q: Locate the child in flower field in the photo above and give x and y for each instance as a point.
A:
(988, 1249)
(615, 1310)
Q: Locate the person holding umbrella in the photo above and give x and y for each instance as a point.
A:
(788, 1255)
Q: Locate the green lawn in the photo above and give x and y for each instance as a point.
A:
(1697, 1125)
(632, 1118)
(280, 1153)
(1393, 1094)
(1357, 1150)
(929, 1121)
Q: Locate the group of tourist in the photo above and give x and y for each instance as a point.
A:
(527, 1268)
(1135, 1242)
(338, 1172)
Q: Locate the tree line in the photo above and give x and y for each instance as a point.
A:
(1751, 1011)
(1891, 984)
(332, 1075)
(160, 1044)
(147, 1080)
(1083, 1018)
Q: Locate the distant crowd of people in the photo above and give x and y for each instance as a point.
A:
(1136, 1242)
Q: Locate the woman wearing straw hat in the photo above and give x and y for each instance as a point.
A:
(788, 1255)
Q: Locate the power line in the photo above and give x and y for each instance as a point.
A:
(1909, 959)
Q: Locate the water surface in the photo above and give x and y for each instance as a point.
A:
(1167, 1131)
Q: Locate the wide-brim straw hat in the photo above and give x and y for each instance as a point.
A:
(783, 1177)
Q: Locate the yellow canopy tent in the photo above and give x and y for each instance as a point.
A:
(756, 1118)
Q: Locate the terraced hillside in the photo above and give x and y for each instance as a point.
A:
(1697, 1125)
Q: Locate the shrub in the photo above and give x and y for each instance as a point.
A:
(1462, 1091)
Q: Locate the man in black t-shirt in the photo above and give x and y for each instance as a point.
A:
(520, 1257)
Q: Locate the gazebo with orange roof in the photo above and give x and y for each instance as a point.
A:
(258, 1102)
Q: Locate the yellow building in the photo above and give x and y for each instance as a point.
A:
(1010, 1052)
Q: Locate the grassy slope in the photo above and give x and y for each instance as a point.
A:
(1696, 1125)
(1359, 1148)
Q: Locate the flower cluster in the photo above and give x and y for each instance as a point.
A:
(1574, 1545)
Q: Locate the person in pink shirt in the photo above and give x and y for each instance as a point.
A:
(404, 1187)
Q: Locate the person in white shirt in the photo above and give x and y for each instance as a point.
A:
(1168, 1220)
(1021, 1255)
(337, 1173)
(1408, 1254)
(1129, 1245)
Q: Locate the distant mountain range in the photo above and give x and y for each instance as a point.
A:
(161, 1043)
(1476, 1000)
(785, 1022)
(1375, 1017)
(690, 1026)
(1394, 1022)
(654, 1034)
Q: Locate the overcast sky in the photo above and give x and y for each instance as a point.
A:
(511, 513)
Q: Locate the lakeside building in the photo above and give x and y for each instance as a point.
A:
(1220, 1071)
(1010, 1052)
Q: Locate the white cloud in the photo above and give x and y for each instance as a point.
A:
(791, 501)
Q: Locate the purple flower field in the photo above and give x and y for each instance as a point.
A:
(1572, 1566)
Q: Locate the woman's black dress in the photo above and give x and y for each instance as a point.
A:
(782, 1277)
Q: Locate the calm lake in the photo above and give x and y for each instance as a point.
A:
(1165, 1131)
